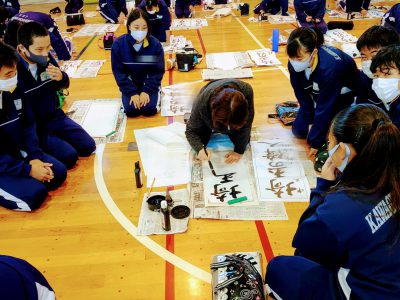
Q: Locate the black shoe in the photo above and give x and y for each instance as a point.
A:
(55, 10)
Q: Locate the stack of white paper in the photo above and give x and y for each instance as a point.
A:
(96, 29)
(228, 60)
(164, 153)
(213, 74)
(264, 57)
(89, 69)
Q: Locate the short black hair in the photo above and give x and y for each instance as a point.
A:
(135, 14)
(4, 14)
(151, 3)
(11, 33)
(387, 58)
(8, 56)
(28, 31)
(303, 37)
(377, 37)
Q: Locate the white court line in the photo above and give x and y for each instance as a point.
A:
(284, 71)
(132, 229)
(265, 69)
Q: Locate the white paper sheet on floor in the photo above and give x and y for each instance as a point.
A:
(166, 160)
(228, 60)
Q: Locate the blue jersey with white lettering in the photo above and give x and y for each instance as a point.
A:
(160, 21)
(391, 19)
(352, 235)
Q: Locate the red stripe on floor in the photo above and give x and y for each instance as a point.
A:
(169, 271)
(264, 240)
(201, 42)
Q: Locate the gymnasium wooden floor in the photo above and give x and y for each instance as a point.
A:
(83, 250)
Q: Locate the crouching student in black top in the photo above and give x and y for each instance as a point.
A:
(348, 239)
(26, 172)
(137, 61)
(160, 18)
(386, 83)
(323, 79)
(225, 106)
(40, 78)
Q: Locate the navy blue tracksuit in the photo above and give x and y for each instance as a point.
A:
(57, 41)
(19, 280)
(73, 6)
(344, 250)
(182, 9)
(314, 9)
(58, 135)
(160, 21)
(355, 5)
(138, 71)
(111, 9)
(18, 133)
(365, 94)
(328, 90)
(13, 4)
(391, 19)
(272, 7)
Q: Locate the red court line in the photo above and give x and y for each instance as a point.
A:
(201, 42)
(264, 240)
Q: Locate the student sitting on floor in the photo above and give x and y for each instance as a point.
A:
(111, 10)
(311, 13)
(369, 43)
(12, 6)
(19, 280)
(4, 18)
(348, 239)
(323, 79)
(73, 6)
(159, 17)
(26, 173)
(272, 7)
(40, 79)
(224, 106)
(137, 61)
(386, 83)
(391, 19)
(63, 48)
(184, 8)
(349, 6)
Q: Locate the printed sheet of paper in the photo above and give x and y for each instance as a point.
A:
(276, 19)
(227, 182)
(70, 67)
(150, 222)
(265, 210)
(191, 23)
(96, 29)
(177, 43)
(372, 14)
(340, 36)
(101, 118)
(279, 172)
(264, 57)
(168, 164)
(228, 60)
(213, 74)
(88, 69)
(176, 100)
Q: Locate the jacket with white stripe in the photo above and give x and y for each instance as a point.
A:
(312, 8)
(17, 132)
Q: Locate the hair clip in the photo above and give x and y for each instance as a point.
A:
(377, 123)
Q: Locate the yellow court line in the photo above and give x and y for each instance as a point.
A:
(132, 229)
(284, 71)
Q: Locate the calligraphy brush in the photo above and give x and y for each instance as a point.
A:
(210, 163)
(151, 187)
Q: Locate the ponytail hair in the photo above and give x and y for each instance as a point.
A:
(229, 107)
(304, 38)
(376, 167)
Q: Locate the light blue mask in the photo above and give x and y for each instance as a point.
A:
(300, 66)
(346, 159)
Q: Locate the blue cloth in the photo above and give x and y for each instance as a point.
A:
(137, 71)
(10, 3)
(352, 235)
(111, 9)
(160, 21)
(182, 8)
(356, 5)
(391, 19)
(272, 6)
(57, 41)
(73, 6)
(51, 120)
(19, 280)
(312, 8)
(18, 133)
(329, 89)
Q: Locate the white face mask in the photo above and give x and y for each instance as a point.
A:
(139, 35)
(9, 85)
(300, 66)
(387, 89)
(152, 12)
(346, 159)
(365, 66)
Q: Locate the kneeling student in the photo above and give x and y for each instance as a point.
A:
(26, 173)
